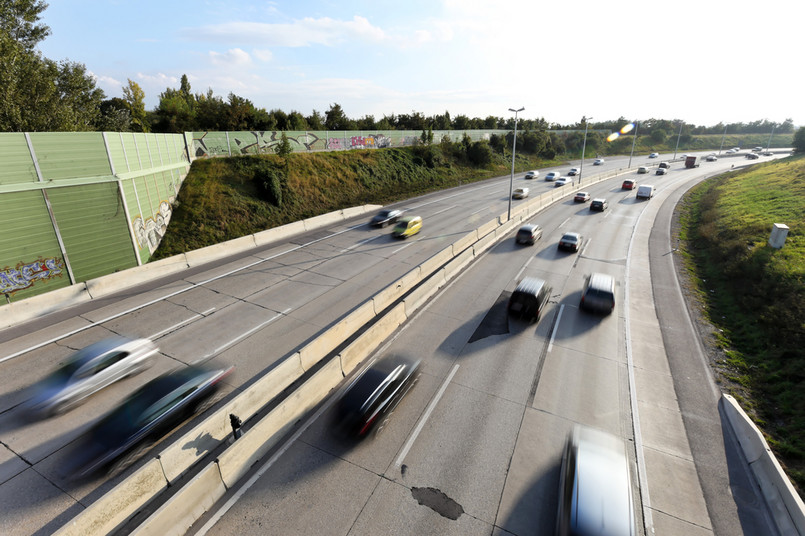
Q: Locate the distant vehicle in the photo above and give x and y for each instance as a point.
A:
(598, 161)
(692, 161)
(385, 217)
(120, 437)
(407, 226)
(661, 171)
(757, 149)
(599, 205)
(88, 371)
(529, 298)
(561, 181)
(571, 241)
(654, 155)
(598, 295)
(371, 398)
(552, 176)
(573, 172)
(768, 153)
(641, 170)
(581, 197)
(595, 486)
(531, 174)
(645, 191)
(711, 158)
(730, 151)
(665, 165)
(628, 184)
(528, 234)
(520, 193)
(752, 156)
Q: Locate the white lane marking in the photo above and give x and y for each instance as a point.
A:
(479, 211)
(402, 248)
(241, 337)
(158, 334)
(563, 223)
(362, 242)
(451, 207)
(556, 326)
(425, 417)
(517, 277)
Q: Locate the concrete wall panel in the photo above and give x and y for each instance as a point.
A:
(219, 251)
(363, 346)
(279, 233)
(393, 292)
(427, 289)
(325, 343)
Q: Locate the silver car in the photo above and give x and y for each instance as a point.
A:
(89, 370)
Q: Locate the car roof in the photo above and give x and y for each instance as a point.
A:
(529, 227)
(530, 285)
(571, 235)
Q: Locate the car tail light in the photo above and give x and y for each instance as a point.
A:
(367, 424)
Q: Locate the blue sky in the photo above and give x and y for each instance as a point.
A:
(700, 61)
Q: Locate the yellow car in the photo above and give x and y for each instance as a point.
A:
(407, 226)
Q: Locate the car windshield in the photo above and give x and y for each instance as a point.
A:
(569, 238)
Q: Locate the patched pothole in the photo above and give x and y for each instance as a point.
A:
(438, 502)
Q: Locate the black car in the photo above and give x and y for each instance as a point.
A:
(372, 396)
(385, 217)
(160, 405)
(599, 204)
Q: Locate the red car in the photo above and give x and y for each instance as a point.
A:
(629, 184)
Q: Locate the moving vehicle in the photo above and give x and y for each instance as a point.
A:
(641, 170)
(370, 399)
(629, 184)
(573, 172)
(385, 217)
(595, 486)
(552, 176)
(645, 191)
(665, 165)
(120, 437)
(654, 155)
(692, 161)
(520, 193)
(529, 298)
(88, 371)
(571, 241)
(598, 295)
(533, 174)
(661, 171)
(528, 234)
(562, 181)
(711, 158)
(598, 161)
(581, 197)
(407, 226)
(752, 156)
(599, 204)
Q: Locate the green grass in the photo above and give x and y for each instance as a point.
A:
(755, 295)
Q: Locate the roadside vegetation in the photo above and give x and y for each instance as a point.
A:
(754, 295)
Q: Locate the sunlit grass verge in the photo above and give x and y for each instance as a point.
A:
(754, 294)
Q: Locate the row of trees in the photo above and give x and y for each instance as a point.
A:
(39, 94)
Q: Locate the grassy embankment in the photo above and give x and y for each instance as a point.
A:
(754, 295)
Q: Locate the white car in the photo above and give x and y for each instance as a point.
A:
(598, 161)
(654, 155)
(711, 158)
(520, 193)
(573, 171)
(552, 176)
(561, 181)
(531, 174)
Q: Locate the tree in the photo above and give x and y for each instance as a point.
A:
(283, 148)
(135, 102)
(799, 140)
(115, 117)
(335, 119)
(19, 19)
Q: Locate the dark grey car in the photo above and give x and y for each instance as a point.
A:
(385, 217)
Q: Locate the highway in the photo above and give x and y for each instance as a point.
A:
(490, 413)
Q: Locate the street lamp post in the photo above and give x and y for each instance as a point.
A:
(636, 126)
(768, 145)
(583, 147)
(514, 148)
(677, 140)
(722, 139)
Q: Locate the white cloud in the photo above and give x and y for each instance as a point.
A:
(232, 57)
(263, 54)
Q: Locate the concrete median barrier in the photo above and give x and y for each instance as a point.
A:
(353, 212)
(485, 243)
(24, 310)
(424, 291)
(212, 253)
(458, 263)
(325, 343)
(363, 346)
(464, 242)
(279, 233)
(393, 292)
(182, 510)
(113, 509)
(236, 461)
(785, 504)
(487, 228)
(112, 283)
(324, 220)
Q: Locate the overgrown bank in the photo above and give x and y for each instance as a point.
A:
(754, 295)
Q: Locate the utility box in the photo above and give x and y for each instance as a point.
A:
(778, 235)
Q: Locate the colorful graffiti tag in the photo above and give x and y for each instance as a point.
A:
(26, 274)
(149, 232)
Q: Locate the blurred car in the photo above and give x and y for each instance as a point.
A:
(385, 217)
(768, 153)
(665, 165)
(581, 197)
(598, 161)
(561, 181)
(407, 226)
(573, 172)
(711, 158)
(661, 171)
(595, 486)
(598, 294)
(654, 155)
(628, 184)
(121, 436)
(752, 156)
(531, 174)
(520, 193)
(371, 397)
(642, 169)
(757, 149)
(599, 204)
(571, 241)
(529, 299)
(88, 371)
(528, 234)
(552, 176)
(730, 151)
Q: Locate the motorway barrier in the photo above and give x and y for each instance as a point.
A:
(111, 283)
(423, 292)
(197, 257)
(42, 304)
(276, 234)
(395, 291)
(785, 504)
(318, 348)
(369, 340)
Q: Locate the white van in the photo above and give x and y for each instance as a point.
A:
(645, 191)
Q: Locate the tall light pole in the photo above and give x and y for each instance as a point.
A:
(636, 125)
(514, 148)
(768, 145)
(677, 139)
(583, 147)
(722, 139)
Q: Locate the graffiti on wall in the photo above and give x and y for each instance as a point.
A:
(149, 232)
(252, 142)
(373, 141)
(26, 274)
